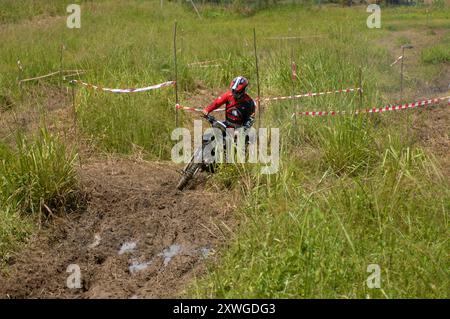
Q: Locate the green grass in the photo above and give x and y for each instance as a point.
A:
(351, 191)
(436, 54)
(15, 228)
(296, 243)
(37, 180)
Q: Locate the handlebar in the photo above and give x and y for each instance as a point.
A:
(214, 122)
(211, 119)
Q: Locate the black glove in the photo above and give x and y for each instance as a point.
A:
(247, 125)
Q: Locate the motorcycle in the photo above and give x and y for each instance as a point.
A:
(204, 157)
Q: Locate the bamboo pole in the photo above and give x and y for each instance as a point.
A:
(360, 88)
(176, 70)
(401, 75)
(406, 46)
(74, 117)
(196, 10)
(257, 78)
(293, 84)
(61, 50)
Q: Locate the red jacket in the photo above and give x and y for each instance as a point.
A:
(246, 107)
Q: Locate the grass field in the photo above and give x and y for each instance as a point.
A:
(351, 191)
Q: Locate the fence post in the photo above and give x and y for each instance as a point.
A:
(176, 70)
(293, 78)
(195, 8)
(406, 46)
(61, 49)
(401, 75)
(257, 78)
(360, 88)
(74, 116)
(74, 110)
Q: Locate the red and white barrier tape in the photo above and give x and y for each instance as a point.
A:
(396, 61)
(132, 90)
(378, 110)
(277, 98)
(307, 95)
(178, 106)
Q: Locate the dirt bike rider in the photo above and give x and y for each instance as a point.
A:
(239, 106)
(239, 113)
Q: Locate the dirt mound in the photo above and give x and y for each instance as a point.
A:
(137, 238)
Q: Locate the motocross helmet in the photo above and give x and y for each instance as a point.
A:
(238, 87)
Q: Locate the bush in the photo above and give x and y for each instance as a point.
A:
(35, 179)
(347, 146)
(38, 176)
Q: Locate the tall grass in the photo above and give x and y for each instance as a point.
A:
(348, 146)
(37, 180)
(436, 54)
(318, 244)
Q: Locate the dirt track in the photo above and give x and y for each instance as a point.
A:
(129, 203)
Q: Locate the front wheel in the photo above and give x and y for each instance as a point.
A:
(188, 173)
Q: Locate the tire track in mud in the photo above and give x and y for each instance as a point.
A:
(138, 237)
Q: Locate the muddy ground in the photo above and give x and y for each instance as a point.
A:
(138, 237)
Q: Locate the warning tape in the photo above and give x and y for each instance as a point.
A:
(178, 106)
(132, 90)
(308, 95)
(379, 109)
(277, 98)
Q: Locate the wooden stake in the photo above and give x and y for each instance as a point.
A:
(61, 65)
(293, 85)
(360, 88)
(176, 70)
(406, 46)
(196, 10)
(401, 75)
(75, 130)
(257, 78)
(74, 110)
